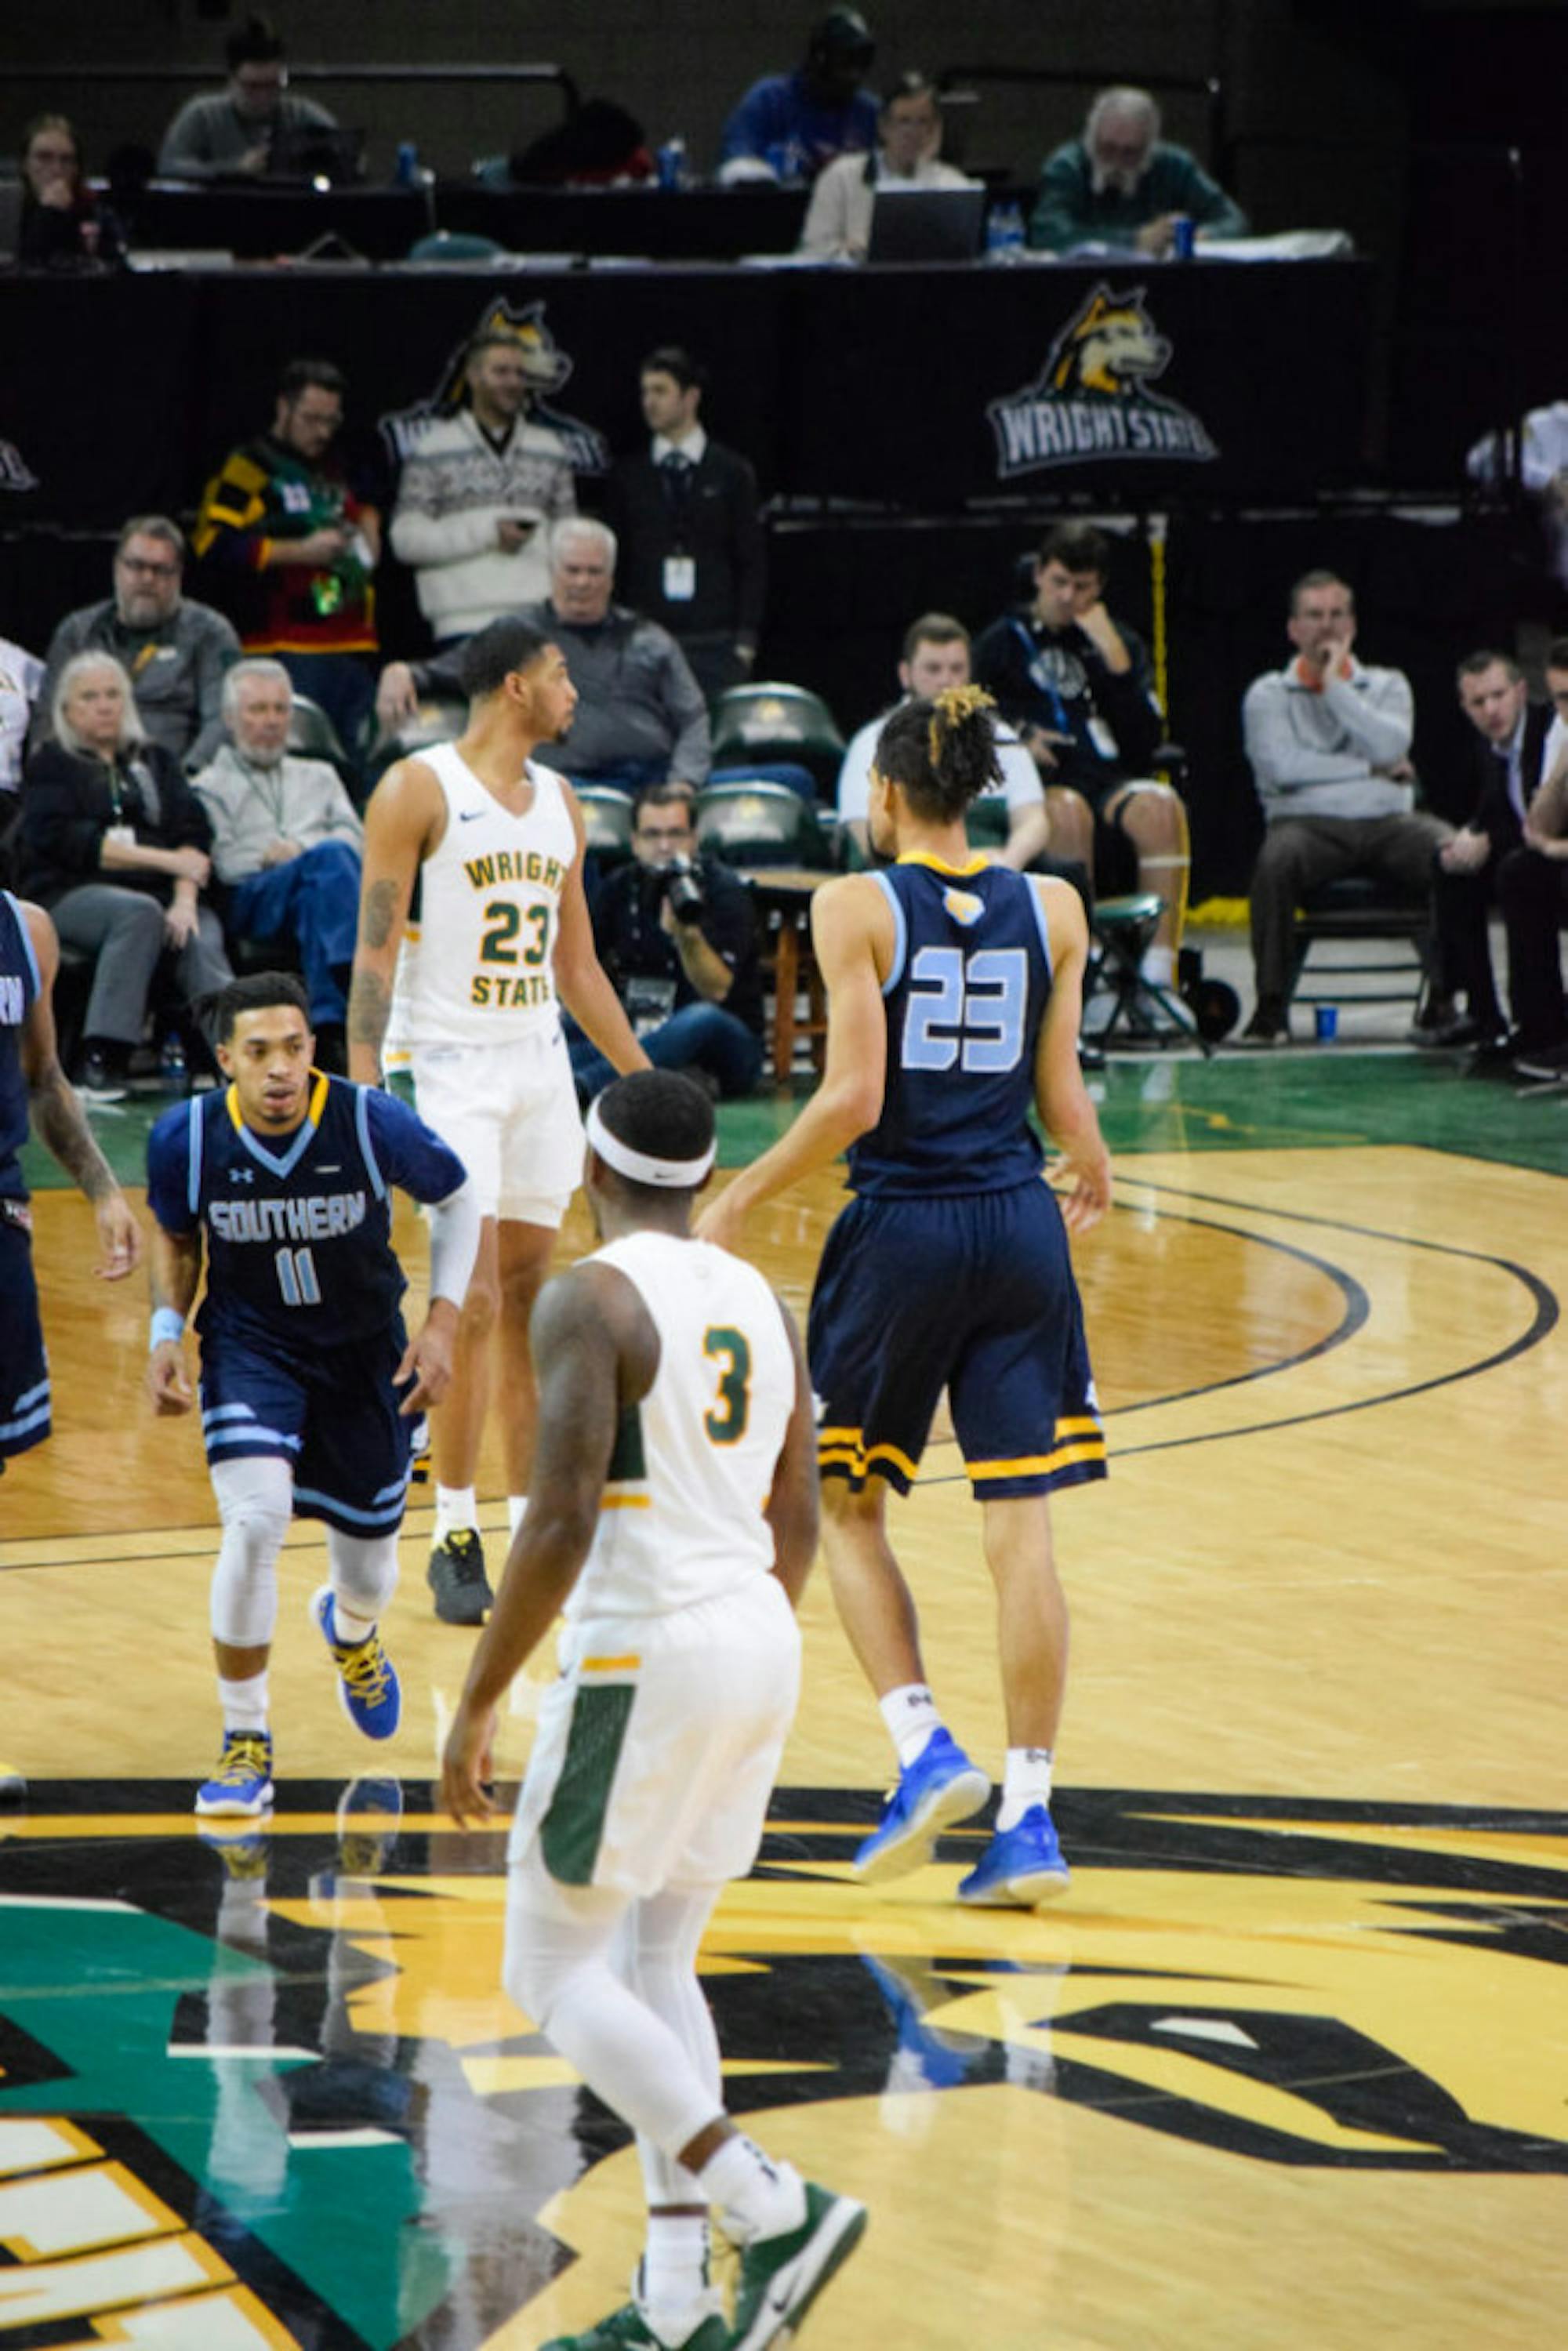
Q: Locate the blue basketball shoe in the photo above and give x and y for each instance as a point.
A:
(242, 1784)
(368, 1685)
(940, 1786)
(1021, 1865)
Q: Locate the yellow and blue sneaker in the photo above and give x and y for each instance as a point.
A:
(367, 1687)
(242, 1780)
(1021, 1865)
(940, 1786)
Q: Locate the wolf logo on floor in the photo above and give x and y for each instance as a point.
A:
(1093, 397)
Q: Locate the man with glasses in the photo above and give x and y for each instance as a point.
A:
(236, 130)
(673, 930)
(173, 650)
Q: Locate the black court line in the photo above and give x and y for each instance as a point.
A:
(1544, 1321)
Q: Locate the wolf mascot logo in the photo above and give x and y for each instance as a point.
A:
(549, 367)
(1093, 397)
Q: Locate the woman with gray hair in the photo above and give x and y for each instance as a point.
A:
(115, 844)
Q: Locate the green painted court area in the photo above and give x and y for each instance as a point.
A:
(1307, 1100)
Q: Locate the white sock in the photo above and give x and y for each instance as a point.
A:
(455, 1507)
(517, 1507)
(1158, 963)
(349, 1626)
(767, 2196)
(674, 2263)
(1026, 1783)
(244, 1703)
(911, 1715)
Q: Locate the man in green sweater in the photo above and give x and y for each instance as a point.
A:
(1118, 184)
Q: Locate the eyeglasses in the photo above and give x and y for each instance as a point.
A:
(153, 570)
(663, 831)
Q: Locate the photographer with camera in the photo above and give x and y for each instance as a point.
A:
(674, 929)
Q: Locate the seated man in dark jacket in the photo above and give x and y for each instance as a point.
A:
(1076, 685)
(674, 929)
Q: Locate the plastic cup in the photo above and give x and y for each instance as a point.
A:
(1327, 1023)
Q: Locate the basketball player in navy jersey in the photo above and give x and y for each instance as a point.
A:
(31, 1079)
(310, 1386)
(954, 991)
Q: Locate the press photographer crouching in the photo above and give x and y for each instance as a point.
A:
(675, 931)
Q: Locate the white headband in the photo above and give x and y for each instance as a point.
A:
(670, 1175)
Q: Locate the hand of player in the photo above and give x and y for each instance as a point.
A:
(427, 1362)
(119, 1238)
(466, 1764)
(167, 1385)
(1090, 1172)
(721, 1220)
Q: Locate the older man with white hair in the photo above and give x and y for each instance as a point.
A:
(641, 717)
(1119, 184)
(286, 843)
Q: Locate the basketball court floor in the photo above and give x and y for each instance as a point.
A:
(1288, 2068)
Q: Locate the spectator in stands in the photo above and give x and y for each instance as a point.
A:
(1077, 685)
(906, 155)
(282, 518)
(21, 675)
(694, 554)
(1540, 451)
(1119, 184)
(937, 656)
(1508, 745)
(789, 125)
(115, 845)
(478, 493)
(173, 650)
(1329, 740)
(674, 929)
(641, 717)
(286, 844)
(63, 226)
(236, 131)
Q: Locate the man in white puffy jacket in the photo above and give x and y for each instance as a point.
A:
(480, 491)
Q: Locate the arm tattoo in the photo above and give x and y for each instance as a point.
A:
(370, 1008)
(379, 913)
(63, 1130)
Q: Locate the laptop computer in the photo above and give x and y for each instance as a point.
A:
(309, 152)
(927, 223)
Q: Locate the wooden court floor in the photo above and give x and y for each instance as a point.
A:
(1287, 2066)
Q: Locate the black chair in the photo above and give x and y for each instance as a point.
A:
(755, 824)
(774, 723)
(1367, 912)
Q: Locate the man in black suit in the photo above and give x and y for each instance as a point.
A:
(1484, 862)
(692, 551)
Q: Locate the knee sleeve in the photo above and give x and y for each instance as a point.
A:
(256, 1502)
(364, 1570)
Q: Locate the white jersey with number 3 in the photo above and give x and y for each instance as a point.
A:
(681, 1519)
(490, 911)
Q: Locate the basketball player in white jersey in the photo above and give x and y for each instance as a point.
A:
(494, 840)
(674, 1516)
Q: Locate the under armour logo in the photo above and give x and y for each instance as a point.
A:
(242, 1175)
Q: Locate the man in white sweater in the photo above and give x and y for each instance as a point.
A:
(1329, 740)
(480, 491)
(286, 843)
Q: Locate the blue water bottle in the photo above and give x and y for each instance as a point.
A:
(672, 163)
(407, 169)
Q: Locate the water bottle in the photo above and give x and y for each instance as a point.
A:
(406, 172)
(672, 163)
(1004, 232)
(172, 1067)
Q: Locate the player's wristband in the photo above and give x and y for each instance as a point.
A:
(167, 1327)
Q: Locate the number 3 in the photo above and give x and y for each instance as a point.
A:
(726, 1420)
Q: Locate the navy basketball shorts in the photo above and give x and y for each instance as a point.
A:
(23, 1367)
(331, 1415)
(973, 1294)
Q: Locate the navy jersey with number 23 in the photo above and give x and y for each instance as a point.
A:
(965, 996)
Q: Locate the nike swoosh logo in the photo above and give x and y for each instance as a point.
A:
(469, 816)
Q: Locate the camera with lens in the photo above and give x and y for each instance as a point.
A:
(684, 889)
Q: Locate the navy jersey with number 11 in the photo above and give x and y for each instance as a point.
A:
(298, 1227)
(965, 998)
